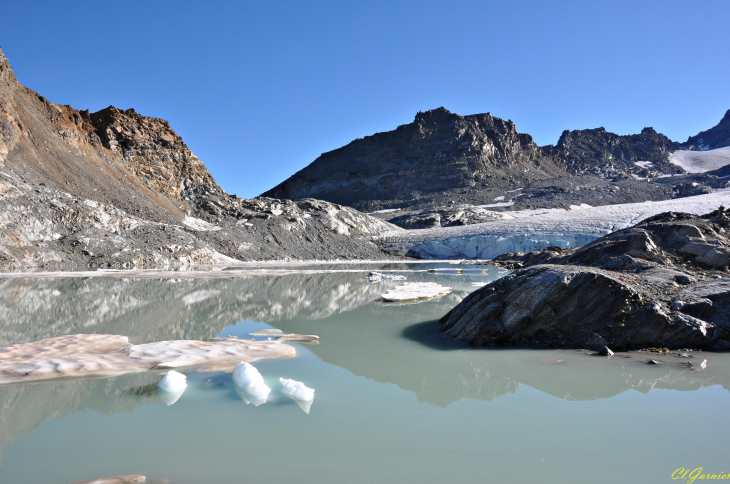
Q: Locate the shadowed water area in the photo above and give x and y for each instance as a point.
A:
(395, 400)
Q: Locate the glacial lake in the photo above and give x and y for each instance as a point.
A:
(395, 401)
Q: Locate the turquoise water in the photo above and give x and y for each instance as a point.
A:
(395, 400)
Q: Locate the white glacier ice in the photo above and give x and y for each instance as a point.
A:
(250, 384)
(173, 382)
(298, 392)
(528, 230)
(171, 387)
(701, 161)
(415, 290)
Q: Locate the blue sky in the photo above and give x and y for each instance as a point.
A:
(258, 90)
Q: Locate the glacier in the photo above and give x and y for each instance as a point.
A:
(529, 230)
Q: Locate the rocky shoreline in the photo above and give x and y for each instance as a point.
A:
(661, 283)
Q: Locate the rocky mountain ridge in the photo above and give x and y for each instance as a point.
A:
(117, 189)
(715, 137)
(443, 158)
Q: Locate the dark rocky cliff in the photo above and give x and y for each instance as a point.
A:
(439, 151)
(442, 158)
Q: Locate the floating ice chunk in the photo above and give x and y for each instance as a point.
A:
(266, 332)
(703, 365)
(479, 284)
(378, 276)
(172, 387)
(298, 392)
(245, 373)
(173, 382)
(415, 290)
(248, 379)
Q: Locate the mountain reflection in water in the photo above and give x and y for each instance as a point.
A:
(389, 343)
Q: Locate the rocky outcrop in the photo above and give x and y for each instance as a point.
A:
(633, 288)
(571, 306)
(608, 155)
(715, 137)
(117, 189)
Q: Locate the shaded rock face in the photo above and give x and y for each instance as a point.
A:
(715, 137)
(608, 155)
(443, 158)
(633, 288)
(117, 189)
(438, 151)
(569, 306)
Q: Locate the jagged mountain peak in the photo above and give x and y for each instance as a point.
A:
(6, 71)
(437, 152)
(715, 137)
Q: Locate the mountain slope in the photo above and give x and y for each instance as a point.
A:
(117, 189)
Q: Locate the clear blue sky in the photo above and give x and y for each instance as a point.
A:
(259, 89)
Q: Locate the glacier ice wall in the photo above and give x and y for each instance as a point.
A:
(524, 232)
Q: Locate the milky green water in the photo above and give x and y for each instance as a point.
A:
(395, 402)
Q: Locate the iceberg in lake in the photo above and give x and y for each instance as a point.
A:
(415, 290)
(171, 387)
(249, 384)
(297, 391)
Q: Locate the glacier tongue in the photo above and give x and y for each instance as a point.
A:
(525, 232)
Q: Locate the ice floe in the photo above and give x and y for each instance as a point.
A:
(701, 161)
(415, 290)
(298, 392)
(536, 229)
(248, 379)
(379, 276)
(103, 354)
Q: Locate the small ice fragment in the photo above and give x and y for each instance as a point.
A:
(249, 380)
(298, 392)
(378, 276)
(173, 382)
(703, 365)
(266, 332)
(171, 387)
(415, 290)
(479, 284)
